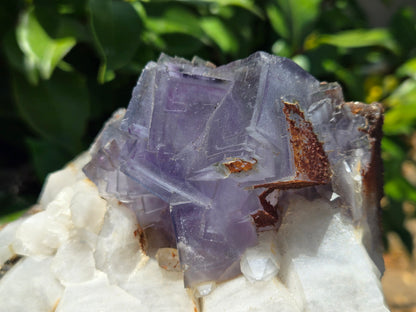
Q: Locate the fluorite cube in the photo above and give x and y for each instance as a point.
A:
(206, 156)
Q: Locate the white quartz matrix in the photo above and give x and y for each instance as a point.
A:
(82, 253)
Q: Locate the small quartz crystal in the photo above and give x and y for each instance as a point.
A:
(261, 262)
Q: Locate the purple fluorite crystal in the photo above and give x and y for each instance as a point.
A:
(202, 152)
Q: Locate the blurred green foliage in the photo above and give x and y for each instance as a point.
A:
(67, 64)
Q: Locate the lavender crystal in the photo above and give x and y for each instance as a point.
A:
(203, 154)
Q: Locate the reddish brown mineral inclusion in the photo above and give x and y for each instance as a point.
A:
(239, 165)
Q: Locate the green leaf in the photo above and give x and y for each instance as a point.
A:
(281, 48)
(246, 4)
(403, 29)
(140, 10)
(408, 69)
(58, 20)
(278, 21)
(181, 44)
(292, 19)
(47, 156)
(57, 109)
(404, 94)
(220, 34)
(358, 38)
(116, 29)
(176, 20)
(401, 117)
(41, 51)
(399, 189)
(69, 27)
(391, 150)
(9, 12)
(104, 74)
(16, 58)
(176, 30)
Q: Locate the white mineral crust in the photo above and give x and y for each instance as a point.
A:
(83, 253)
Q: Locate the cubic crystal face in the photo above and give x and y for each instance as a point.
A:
(206, 156)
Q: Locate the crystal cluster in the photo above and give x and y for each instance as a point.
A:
(252, 182)
(208, 158)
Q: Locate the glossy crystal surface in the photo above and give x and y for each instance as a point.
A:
(204, 153)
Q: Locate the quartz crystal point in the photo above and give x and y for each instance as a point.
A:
(206, 155)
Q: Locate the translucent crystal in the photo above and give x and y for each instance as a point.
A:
(206, 156)
(168, 259)
(261, 262)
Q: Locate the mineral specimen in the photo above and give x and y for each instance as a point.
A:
(204, 155)
(254, 167)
